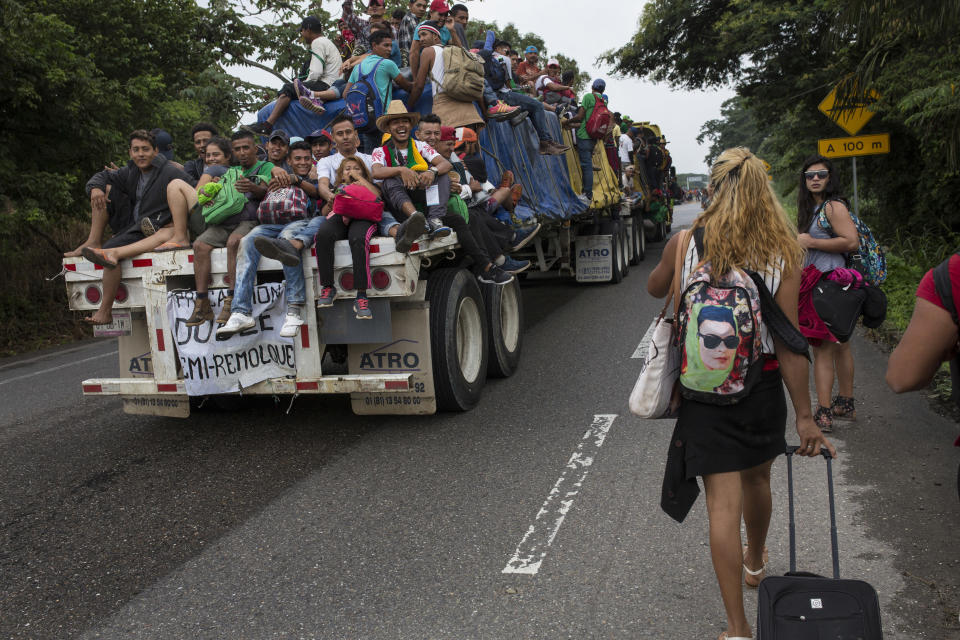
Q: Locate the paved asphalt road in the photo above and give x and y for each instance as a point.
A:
(322, 524)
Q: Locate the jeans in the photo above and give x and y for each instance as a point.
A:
(489, 97)
(305, 230)
(533, 107)
(585, 151)
(248, 259)
(387, 222)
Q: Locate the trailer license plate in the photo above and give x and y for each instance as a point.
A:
(121, 326)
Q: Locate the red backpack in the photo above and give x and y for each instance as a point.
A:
(600, 121)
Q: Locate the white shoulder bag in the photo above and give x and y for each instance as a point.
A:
(655, 395)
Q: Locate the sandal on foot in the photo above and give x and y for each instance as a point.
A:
(725, 636)
(751, 577)
(824, 419)
(171, 246)
(97, 256)
(842, 408)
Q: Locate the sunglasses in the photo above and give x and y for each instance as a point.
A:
(711, 341)
(822, 174)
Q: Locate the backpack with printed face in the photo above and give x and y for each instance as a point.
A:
(869, 259)
(364, 102)
(718, 331)
(600, 120)
(462, 74)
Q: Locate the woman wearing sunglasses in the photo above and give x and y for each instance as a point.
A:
(732, 446)
(826, 251)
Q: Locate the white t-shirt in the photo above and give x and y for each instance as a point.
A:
(326, 67)
(625, 148)
(327, 167)
(425, 150)
(437, 72)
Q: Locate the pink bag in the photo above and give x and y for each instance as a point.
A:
(357, 202)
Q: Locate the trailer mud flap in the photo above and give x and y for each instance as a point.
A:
(408, 352)
(594, 258)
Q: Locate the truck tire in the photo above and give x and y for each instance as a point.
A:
(639, 245)
(458, 338)
(612, 229)
(504, 327)
(624, 247)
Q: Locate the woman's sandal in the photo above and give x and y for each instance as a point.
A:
(724, 636)
(843, 408)
(824, 419)
(751, 577)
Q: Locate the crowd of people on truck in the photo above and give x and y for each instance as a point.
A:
(428, 172)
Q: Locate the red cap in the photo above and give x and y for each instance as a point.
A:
(448, 133)
(439, 5)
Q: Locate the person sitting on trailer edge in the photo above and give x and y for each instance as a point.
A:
(201, 133)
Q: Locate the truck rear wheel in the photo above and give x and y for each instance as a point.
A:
(458, 338)
(624, 247)
(639, 244)
(504, 327)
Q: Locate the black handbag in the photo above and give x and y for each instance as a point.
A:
(839, 306)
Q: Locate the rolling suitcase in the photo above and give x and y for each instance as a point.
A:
(806, 606)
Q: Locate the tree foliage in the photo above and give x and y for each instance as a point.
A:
(783, 57)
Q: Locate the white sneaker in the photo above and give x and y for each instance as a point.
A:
(238, 322)
(291, 324)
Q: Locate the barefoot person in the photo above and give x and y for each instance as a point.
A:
(732, 445)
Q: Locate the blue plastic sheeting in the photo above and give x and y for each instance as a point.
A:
(545, 179)
(297, 121)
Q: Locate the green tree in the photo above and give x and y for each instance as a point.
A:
(736, 127)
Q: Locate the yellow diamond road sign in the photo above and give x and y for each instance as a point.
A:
(856, 146)
(851, 118)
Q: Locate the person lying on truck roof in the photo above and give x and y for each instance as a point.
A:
(287, 248)
(285, 217)
(160, 195)
(411, 171)
(529, 104)
(201, 134)
(494, 236)
(319, 78)
(148, 192)
(253, 185)
(454, 113)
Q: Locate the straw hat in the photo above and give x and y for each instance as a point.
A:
(397, 110)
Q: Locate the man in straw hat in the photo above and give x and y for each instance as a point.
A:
(413, 173)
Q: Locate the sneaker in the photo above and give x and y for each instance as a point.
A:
(278, 249)
(224, 314)
(301, 89)
(494, 275)
(258, 128)
(147, 227)
(312, 104)
(516, 192)
(546, 148)
(362, 308)
(410, 229)
(585, 199)
(506, 180)
(518, 118)
(437, 229)
(238, 322)
(202, 313)
(327, 294)
(522, 237)
(515, 266)
(292, 322)
(501, 111)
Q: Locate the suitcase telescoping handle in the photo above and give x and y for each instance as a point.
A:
(833, 511)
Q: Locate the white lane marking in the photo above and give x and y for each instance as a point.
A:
(537, 540)
(46, 356)
(62, 366)
(641, 350)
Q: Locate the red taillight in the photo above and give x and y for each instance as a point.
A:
(381, 279)
(346, 281)
(396, 384)
(374, 248)
(308, 386)
(415, 247)
(93, 388)
(122, 293)
(92, 294)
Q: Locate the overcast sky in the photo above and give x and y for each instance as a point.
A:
(584, 31)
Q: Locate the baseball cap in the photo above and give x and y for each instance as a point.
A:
(312, 23)
(599, 85)
(553, 62)
(164, 142)
(318, 133)
(279, 133)
(295, 139)
(531, 49)
(448, 133)
(440, 6)
(463, 134)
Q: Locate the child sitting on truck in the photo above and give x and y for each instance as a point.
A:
(352, 173)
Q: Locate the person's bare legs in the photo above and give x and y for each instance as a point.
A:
(281, 105)
(724, 508)
(181, 198)
(112, 277)
(823, 373)
(98, 223)
(843, 361)
(757, 507)
(233, 245)
(201, 265)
